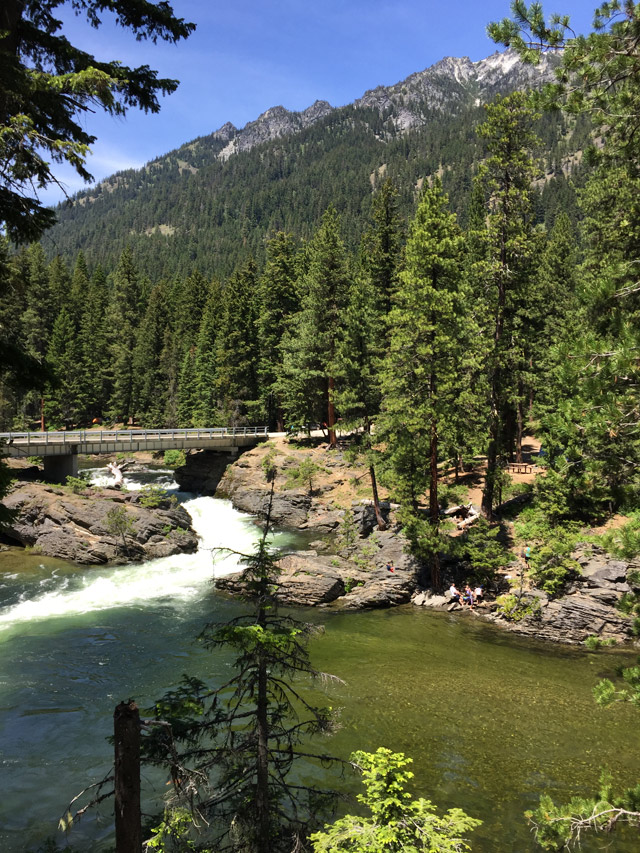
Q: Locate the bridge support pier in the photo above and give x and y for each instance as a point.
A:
(58, 468)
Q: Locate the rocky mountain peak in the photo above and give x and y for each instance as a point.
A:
(448, 85)
(226, 132)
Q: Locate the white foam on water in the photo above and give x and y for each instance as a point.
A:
(173, 579)
(102, 478)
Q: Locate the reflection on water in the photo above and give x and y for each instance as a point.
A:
(490, 720)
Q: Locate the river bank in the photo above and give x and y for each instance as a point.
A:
(346, 565)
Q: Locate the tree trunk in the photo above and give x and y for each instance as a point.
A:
(434, 508)
(382, 524)
(126, 730)
(519, 423)
(331, 413)
(262, 757)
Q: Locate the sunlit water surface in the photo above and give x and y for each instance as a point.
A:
(490, 720)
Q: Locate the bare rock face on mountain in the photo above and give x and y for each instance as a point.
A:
(82, 528)
(275, 122)
(449, 85)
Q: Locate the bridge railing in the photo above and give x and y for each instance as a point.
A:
(99, 436)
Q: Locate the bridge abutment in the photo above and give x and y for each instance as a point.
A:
(58, 468)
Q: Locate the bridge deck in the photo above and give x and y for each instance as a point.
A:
(129, 441)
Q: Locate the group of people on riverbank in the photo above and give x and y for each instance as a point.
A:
(468, 597)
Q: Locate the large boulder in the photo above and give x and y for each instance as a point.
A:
(78, 528)
(203, 471)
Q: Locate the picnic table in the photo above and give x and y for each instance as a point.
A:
(520, 467)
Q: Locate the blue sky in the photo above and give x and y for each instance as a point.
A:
(247, 56)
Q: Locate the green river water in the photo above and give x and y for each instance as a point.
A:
(490, 720)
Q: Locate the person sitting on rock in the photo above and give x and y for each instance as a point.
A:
(390, 567)
(478, 593)
(455, 594)
(467, 596)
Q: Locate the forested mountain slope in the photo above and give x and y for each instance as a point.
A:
(211, 203)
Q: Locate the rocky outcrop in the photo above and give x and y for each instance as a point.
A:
(203, 471)
(589, 607)
(79, 528)
(309, 579)
(274, 123)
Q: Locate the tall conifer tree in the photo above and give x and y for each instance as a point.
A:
(309, 347)
(429, 331)
(278, 302)
(123, 321)
(506, 177)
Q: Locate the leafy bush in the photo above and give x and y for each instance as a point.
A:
(395, 820)
(569, 496)
(452, 496)
(593, 643)
(514, 608)
(76, 485)
(175, 458)
(269, 466)
(348, 533)
(303, 474)
(629, 604)
(152, 496)
(625, 541)
(550, 561)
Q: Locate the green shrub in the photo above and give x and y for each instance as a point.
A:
(593, 643)
(151, 496)
(452, 496)
(269, 466)
(347, 531)
(629, 604)
(479, 548)
(625, 541)
(550, 562)
(76, 485)
(175, 458)
(304, 473)
(514, 609)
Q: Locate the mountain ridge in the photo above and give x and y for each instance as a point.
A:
(212, 202)
(479, 80)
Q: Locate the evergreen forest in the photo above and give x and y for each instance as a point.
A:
(440, 294)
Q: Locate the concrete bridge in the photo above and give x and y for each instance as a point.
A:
(60, 449)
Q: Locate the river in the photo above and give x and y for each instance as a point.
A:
(490, 720)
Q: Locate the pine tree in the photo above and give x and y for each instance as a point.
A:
(94, 347)
(198, 387)
(236, 373)
(123, 315)
(506, 177)
(278, 302)
(309, 347)
(63, 358)
(381, 247)
(150, 382)
(250, 737)
(429, 332)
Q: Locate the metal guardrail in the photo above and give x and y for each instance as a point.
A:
(99, 436)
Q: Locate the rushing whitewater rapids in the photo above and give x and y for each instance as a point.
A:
(175, 580)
